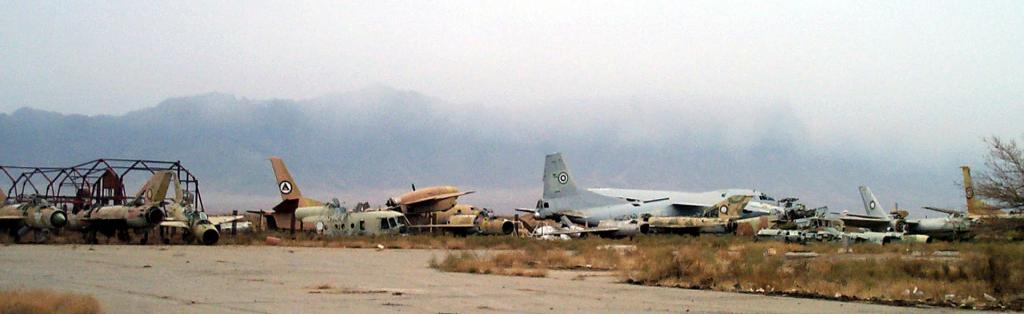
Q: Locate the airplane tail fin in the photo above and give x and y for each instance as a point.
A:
(291, 197)
(557, 180)
(156, 188)
(560, 191)
(732, 207)
(285, 183)
(975, 207)
(871, 204)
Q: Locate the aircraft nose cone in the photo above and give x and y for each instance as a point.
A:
(154, 215)
(58, 219)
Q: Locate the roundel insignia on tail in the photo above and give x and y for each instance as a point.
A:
(724, 209)
(563, 177)
(872, 205)
(285, 187)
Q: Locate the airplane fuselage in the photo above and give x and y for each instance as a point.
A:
(940, 228)
(637, 203)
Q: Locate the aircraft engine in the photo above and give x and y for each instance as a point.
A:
(628, 229)
(154, 215)
(394, 201)
(645, 227)
(497, 227)
(206, 234)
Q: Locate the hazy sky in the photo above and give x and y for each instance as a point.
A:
(916, 69)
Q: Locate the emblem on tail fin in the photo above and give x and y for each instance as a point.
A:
(285, 187)
(563, 177)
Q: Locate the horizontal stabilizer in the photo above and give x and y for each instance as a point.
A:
(218, 220)
(173, 224)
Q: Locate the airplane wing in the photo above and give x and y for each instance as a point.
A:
(174, 224)
(527, 210)
(686, 207)
(439, 197)
(951, 212)
(11, 217)
(595, 230)
(217, 220)
(864, 222)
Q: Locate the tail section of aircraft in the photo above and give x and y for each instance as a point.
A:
(291, 197)
(285, 183)
(975, 206)
(557, 180)
(732, 207)
(561, 195)
(155, 190)
(871, 204)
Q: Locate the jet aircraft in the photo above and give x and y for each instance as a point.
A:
(36, 215)
(562, 197)
(140, 216)
(195, 225)
(952, 227)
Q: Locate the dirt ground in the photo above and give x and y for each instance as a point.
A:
(259, 279)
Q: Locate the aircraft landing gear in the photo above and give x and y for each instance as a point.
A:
(40, 236)
(124, 236)
(145, 237)
(90, 237)
(188, 237)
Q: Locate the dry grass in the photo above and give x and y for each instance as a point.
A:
(892, 274)
(508, 264)
(46, 301)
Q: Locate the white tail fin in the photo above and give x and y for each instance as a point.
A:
(871, 204)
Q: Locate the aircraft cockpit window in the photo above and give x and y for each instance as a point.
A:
(384, 224)
(394, 223)
(362, 225)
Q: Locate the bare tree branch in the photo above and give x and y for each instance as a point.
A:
(1003, 183)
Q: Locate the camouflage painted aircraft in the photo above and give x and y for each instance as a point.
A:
(719, 218)
(331, 219)
(195, 225)
(436, 208)
(36, 215)
(140, 215)
(723, 217)
(562, 197)
(952, 227)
